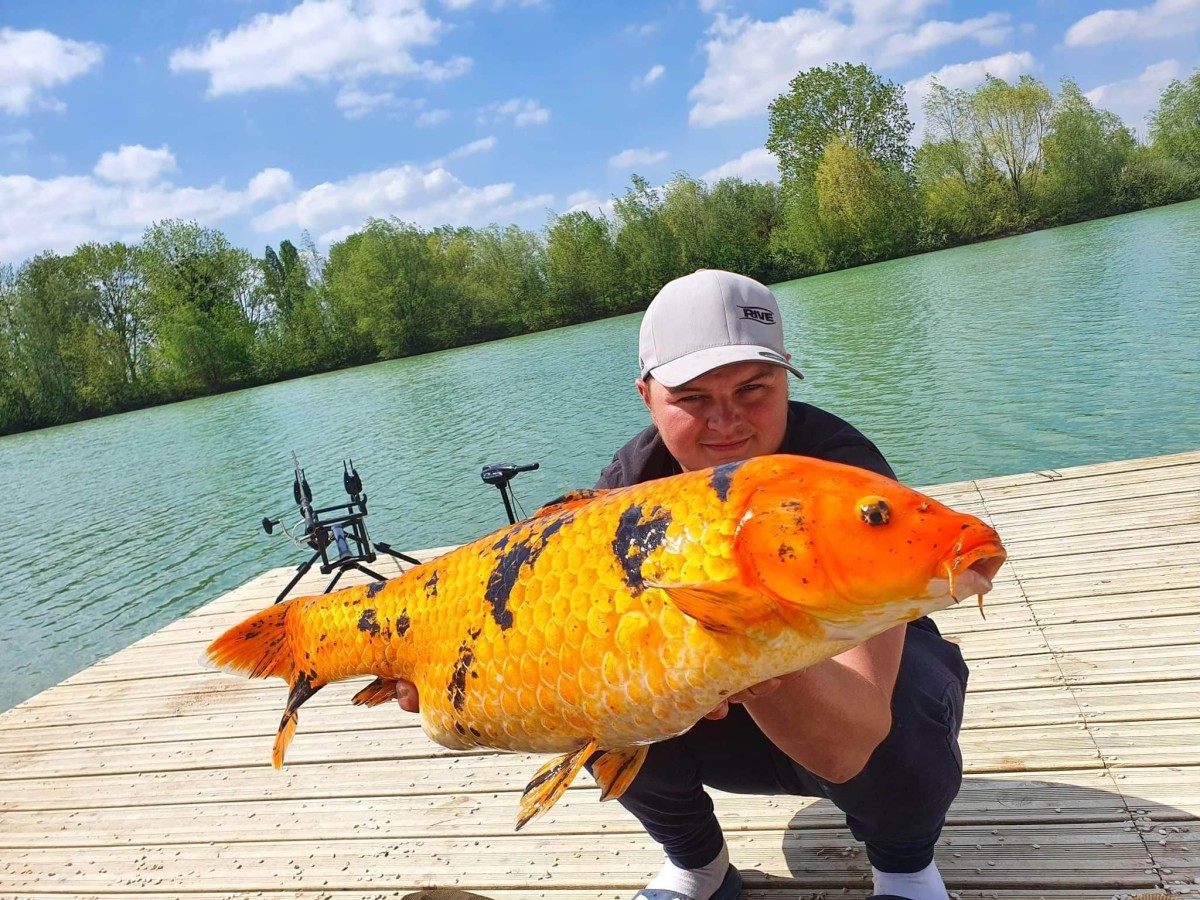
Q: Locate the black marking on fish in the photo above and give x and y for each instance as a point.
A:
(786, 552)
(722, 479)
(550, 774)
(523, 552)
(475, 731)
(375, 587)
(250, 635)
(637, 536)
(402, 624)
(302, 688)
(369, 622)
(458, 726)
(431, 585)
(457, 689)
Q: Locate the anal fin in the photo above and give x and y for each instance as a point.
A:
(550, 782)
(614, 770)
(381, 690)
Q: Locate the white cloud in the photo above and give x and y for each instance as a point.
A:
(751, 62)
(494, 4)
(641, 31)
(36, 61)
(963, 76)
(1161, 19)
(427, 196)
(60, 213)
(432, 117)
(758, 164)
(135, 164)
(483, 145)
(655, 73)
(521, 110)
(590, 202)
(271, 184)
(321, 41)
(16, 138)
(707, 6)
(639, 156)
(356, 103)
(988, 30)
(1134, 98)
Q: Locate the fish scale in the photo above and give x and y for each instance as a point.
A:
(614, 619)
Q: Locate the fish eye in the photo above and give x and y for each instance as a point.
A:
(874, 511)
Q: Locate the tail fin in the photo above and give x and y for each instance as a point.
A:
(257, 647)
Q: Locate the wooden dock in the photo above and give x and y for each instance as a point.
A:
(146, 776)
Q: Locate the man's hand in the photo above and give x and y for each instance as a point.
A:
(406, 696)
(762, 689)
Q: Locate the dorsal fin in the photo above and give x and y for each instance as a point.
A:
(571, 500)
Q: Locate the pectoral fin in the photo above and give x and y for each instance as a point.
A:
(551, 780)
(615, 770)
(725, 607)
(381, 690)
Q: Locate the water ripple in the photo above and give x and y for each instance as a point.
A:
(1058, 348)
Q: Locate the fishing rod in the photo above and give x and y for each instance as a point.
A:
(341, 527)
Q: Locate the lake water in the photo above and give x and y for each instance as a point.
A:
(1064, 347)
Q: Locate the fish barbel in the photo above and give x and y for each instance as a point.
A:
(613, 619)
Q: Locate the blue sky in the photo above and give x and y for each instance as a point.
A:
(268, 118)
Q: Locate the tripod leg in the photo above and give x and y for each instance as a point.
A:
(300, 572)
(387, 548)
(333, 580)
(374, 575)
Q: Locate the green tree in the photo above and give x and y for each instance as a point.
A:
(583, 271)
(1152, 179)
(1008, 124)
(648, 250)
(14, 410)
(1085, 150)
(867, 212)
(1175, 124)
(503, 277)
(387, 284)
(49, 320)
(844, 102)
(200, 290)
(121, 304)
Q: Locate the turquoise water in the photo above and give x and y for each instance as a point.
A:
(1059, 348)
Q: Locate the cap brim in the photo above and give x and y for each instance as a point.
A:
(693, 365)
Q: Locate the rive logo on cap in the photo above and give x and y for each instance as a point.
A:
(706, 320)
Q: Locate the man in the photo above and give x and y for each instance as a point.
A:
(875, 729)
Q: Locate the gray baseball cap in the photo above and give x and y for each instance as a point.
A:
(706, 320)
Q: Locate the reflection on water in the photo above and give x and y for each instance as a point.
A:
(1053, 349)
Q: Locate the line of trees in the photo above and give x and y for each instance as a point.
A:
(112, 327)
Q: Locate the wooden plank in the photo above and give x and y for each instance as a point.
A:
(1062, 797)
(972, 856)
(1019, 748)
(145, 775)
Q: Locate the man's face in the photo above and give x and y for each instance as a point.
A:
(726, 415)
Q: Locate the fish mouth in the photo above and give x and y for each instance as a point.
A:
(970, 572)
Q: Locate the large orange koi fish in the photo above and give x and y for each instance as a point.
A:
(614, 619)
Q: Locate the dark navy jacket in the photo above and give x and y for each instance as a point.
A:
(810, 432)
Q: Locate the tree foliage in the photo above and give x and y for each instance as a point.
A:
(845, 102)
(184, 313)
(1175, 124)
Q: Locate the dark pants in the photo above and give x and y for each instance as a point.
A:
(896, 805)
